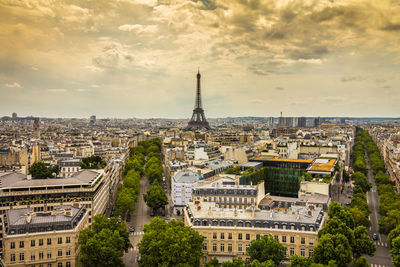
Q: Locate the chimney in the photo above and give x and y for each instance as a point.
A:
(28, 217)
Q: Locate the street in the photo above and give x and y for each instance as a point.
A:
(382, 257)
(140, 217)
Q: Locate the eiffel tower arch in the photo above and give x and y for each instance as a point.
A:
(198, 120)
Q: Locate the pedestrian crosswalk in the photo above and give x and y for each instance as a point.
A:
(382, 244)
(378, 265)
(138, 233)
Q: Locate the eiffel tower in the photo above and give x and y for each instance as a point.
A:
(198, 120)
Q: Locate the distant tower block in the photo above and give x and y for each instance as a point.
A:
(14, 116)
(36, 128)
(92, 119)
(198, 120)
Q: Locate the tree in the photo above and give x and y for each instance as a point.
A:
(103, 245)
(236, 262)
(361, 180)
(395, 251)
(171, 244)
(298, 261)
(361, 262)
(307, 176)
(212, 263)
(333, 247)
(360, 218)
(389, 222)
(93, 162)
(268, 263)
(342, 213)
(125, 202)
(155, 197)
(335, 226)
(38, 170)
(266, 248)
(393, 234)
(154, 172)
(362, 243)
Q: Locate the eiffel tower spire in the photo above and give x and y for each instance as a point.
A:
(198, 119)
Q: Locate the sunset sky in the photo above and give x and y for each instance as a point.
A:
(139, 58)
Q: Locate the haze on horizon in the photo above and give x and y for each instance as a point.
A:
(139, 58)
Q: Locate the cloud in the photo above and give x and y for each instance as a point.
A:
(138, 28)
(58, 90)
(257, 101)
(351, 79)
(13, 85)
(387, 87)
(264, 70)
(279, 88)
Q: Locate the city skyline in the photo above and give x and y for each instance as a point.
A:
(139, 58)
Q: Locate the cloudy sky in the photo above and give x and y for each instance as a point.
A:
(139, 58)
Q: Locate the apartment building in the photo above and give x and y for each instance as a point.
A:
(42, 239)
(228, 231)
(227, 193)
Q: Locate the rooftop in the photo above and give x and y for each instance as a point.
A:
(292, 215)
(21, 221)
(323, 165)
(283, 160)
(19, 180)
(186, 177)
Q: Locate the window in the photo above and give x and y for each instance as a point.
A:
(247, 236)
(310, 253)
(284, 239)
(21, 256)
(247, 247)
(291, 251)
(59, 240)
(229, 235)
(303, 240)
(276, 237)
(59, 264)
(311, 241)
(67, 264)
(59, 254)
(222, 247)
(68, 239)
(302, 252)
(21, 244)
(48, 241)
(33, 257)
(214, 235)
(204, 246)
(229, 247)
(40, 255)
(12, 257)
(240, 247)
(214, 247)
(49, 265)
(292, 239)
(68, 252)
(49, 254)
(240, 236)
(32, 243)
(40, 242)
(12, 245)
(257, 236)
(222, 235)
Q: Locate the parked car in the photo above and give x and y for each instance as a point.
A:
(375, 236)
(139, 258)
(131, 229)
